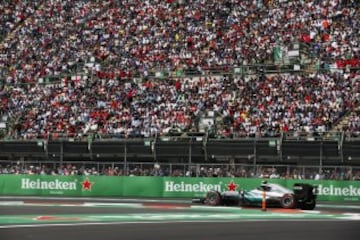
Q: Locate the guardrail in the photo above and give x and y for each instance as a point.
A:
(326, 149)
(225, 70)
(230, 169)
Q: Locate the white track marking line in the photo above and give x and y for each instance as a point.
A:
(100, 199)
(168, 222)
(103, 204)
(11, 203)
(338, 206)
(323, 205)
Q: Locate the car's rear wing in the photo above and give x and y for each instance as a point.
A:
(304, 191)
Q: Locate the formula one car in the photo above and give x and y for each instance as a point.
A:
(302, 196)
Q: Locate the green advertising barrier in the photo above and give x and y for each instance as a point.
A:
(174, 187)
(327, 190)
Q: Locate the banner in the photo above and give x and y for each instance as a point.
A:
(277, 54)
(157, 187)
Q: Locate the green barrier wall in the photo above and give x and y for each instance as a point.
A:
(175, 187)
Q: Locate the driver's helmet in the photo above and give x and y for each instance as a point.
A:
(264, 185)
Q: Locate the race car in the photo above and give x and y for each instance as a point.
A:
(302, 196)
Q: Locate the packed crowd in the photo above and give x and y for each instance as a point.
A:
(44, 43)
(241, 171)
(243, 106)
(126, 37)
(112, 40)
(14, 12)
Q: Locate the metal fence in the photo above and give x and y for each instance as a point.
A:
(268, 171)
(323, 150)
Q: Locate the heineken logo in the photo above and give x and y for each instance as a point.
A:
(348, 191)
(171, 186)
(27, 183)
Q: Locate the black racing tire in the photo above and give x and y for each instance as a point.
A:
(213, 198)
(287, 201)
(309, 205)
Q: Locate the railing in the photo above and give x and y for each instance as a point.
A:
(332, 148)
(223, 70)
(288, 136)
(271, 171)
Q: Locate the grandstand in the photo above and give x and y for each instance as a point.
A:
(267, 81)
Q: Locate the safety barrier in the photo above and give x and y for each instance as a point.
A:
(156, 187)
(176, 169)
(329, 149)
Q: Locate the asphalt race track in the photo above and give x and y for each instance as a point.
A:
(49, 219)
(201, 231)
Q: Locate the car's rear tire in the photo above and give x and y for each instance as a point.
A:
(213, 198)
(310, 205)
(288, 201)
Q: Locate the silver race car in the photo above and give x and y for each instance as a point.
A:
(302, 196)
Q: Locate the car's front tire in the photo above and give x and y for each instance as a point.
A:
(213, 198)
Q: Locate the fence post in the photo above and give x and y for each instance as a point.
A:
(125, 155)
(254, 160)
(61, 151)
(321, 155)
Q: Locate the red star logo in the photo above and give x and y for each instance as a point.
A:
(86, 184)
(232, 186)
